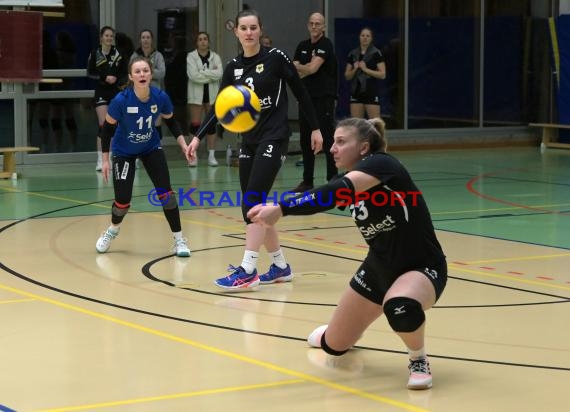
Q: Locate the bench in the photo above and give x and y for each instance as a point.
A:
(9, 166)
(550, 134)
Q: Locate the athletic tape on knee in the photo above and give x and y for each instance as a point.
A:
(404, 314)
(328, 349)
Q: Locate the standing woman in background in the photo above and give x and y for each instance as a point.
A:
(205, 70)
(146, 49)
(365, 66)
(267, 72)
(109, 68)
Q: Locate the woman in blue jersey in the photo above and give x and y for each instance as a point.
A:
(267, 71)
(131, 123)
(405, 270)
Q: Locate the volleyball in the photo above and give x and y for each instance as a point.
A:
(237, 108)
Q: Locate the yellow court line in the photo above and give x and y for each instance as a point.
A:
(173, 396)
(212, 349)
(65, 199)
(515, 259)
(510, 278)
(16, 301)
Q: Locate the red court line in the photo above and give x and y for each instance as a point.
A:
(470, 187)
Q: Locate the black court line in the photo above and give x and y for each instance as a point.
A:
(206, 324)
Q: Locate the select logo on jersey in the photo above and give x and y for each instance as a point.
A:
(265, 102)
(139, 137)
(370, 231)
(131, 109)
(154, 108)
(259, 68)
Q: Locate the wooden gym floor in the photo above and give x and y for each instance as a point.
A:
(137, 329)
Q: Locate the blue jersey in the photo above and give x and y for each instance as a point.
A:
(136, 132)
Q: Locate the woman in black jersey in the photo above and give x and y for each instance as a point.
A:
(267, 71)
(405, 270)
(109, 68)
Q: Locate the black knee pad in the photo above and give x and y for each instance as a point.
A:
(43, 123)
(404, 314)
(119, 211)
(70, 124)
(328, 349)
(159, 130)
(194, 128)
(56, 124)
(169, 203)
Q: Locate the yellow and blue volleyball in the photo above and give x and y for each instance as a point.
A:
(237, 108)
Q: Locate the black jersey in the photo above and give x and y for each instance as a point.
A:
(267, 73)
(395, 220)
(323, 83)
(101, 65)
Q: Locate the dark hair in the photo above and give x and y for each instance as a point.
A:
(369, 29)
(372, 131)
(204, 33)
(104, 29)
(146, 30)
(248, 12)
(136, 60)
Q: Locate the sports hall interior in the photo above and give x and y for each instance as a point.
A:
(474, 103)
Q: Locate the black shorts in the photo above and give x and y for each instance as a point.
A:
(365, 99)
(372, 282)
(103, 96)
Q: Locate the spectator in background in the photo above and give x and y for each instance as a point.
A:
(364, 67)
(176, 81)
(108, 66)
(204, 69)
(316, 64)
(265, 40)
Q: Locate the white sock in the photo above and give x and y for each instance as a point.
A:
(278, 259)
(212, 154)
(417, 354)
(114, 229)
(177, 235)
(99, 157)
(249, 262)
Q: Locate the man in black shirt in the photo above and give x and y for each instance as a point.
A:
(316, 64)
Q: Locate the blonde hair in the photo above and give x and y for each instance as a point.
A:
(372, 131)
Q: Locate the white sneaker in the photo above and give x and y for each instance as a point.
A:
(104, 241)
(193, 163)
(181, 248)
(212, 162)
(314, 339)
(420, 374)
